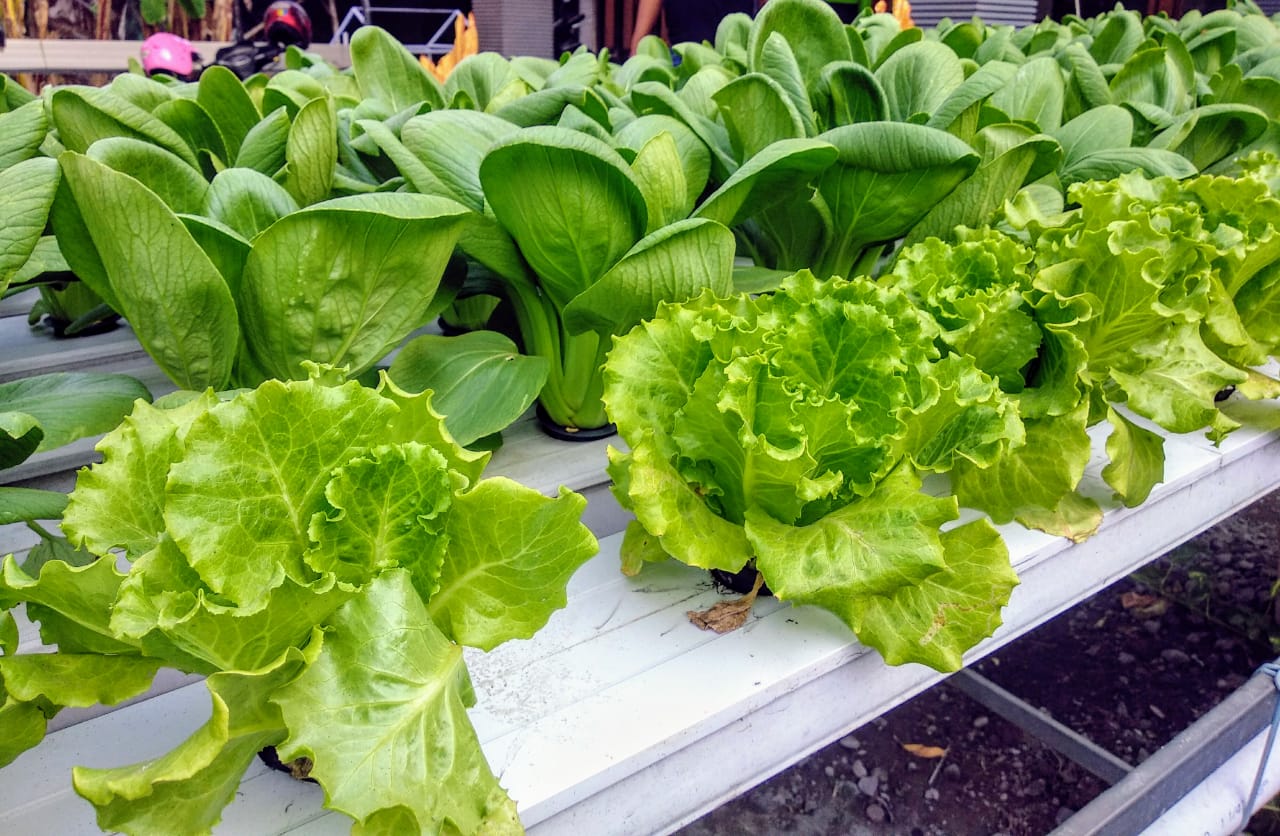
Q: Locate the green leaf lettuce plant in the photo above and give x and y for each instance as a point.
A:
(321, 551)
(791, 432)
(1144, 302)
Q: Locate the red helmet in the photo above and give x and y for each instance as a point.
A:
(287, 23)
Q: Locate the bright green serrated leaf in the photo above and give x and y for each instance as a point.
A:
(22, 726)
(936, 621)
(672, 511)
(382, 713)
(511, 553)
(1136, 463)
(188, 788)
(387, 509)
(289, 439)
(871, 546)
(118, 503)
(8, 634)
(418, 421)
(1034, 477)
(72, 604)
(77, 680)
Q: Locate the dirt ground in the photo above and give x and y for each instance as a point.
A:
(1129, 669)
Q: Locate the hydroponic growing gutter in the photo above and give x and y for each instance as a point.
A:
(620, 717)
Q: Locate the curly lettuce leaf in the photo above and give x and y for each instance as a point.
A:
(252, 527)
(936, 621)
(872, 546)
(418, 421)
(672, 510)
(119, 503)
(1258, 303)
(77, 680)
(382, 714)
(788, 429)
(8, 633)
(254, 472)
(387, 509)
(186, 789)
(1029, 483)
(1136, 460)
(975, 290)
(22, 726)
(653, 376)
(511, 553)
(735, 461)
(72, 604)
(968, 421)
(1174, 382)
(1134, 295)
(164, 599)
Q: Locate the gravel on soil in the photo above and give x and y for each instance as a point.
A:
(1129, 669)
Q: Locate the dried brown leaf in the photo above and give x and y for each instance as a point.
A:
(1131, 599)
(728, 616)
(1144, 605)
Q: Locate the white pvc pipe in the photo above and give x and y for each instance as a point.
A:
(1215, 807)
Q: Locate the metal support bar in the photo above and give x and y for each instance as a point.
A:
(1153, 787)
(435, 45)
(1073, 745)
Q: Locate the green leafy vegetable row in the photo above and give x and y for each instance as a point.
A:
(961, 276)
(790, 431)
(818, 145)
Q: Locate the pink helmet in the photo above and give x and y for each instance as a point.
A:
(167, 53)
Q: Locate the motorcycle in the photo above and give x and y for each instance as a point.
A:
(284, 24)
